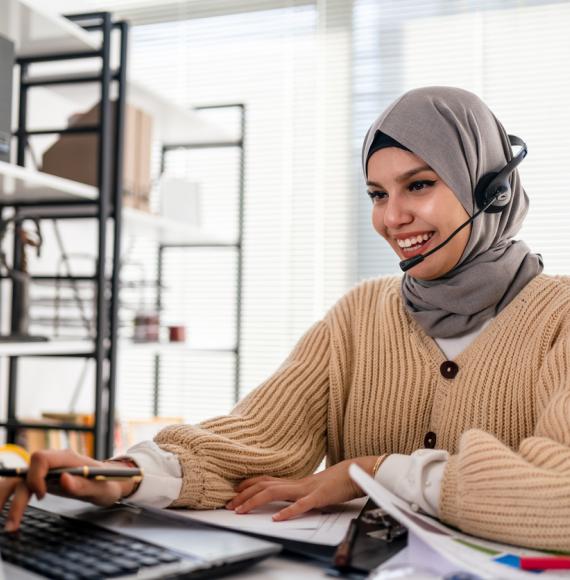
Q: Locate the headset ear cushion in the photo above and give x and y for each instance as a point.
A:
(482, 197)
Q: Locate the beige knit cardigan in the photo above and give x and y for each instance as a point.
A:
(367, 380)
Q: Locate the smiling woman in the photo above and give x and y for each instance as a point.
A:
(414, 210)
(450, 384)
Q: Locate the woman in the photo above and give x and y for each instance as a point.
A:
(450, 384)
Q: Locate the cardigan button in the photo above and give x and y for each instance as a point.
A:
(449, 369)
(429, 440)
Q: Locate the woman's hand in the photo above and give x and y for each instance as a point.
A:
(103, 493)
(331, 486)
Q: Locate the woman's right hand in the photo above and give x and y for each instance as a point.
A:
(102, 493)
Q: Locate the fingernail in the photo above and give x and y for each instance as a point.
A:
(240, 509)
(10, 526)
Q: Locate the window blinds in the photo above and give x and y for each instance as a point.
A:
(313, 76)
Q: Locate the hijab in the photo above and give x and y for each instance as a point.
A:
(458, 136)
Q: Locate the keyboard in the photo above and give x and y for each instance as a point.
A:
(54, 546)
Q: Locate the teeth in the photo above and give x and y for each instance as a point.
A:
(408, 242)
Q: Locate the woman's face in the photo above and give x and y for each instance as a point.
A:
(410, 200)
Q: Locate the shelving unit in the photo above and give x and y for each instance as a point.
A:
(29, 193)
(43, 37)
(211, 245)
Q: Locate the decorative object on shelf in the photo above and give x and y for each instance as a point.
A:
(147, 327)
(6, 72)
(74, 156)
(180, 201)
(20, 280)
(177, 333)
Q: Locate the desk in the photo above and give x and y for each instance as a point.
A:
(282, 567)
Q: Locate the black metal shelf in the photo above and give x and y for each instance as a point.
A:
(237, 245)
(107, 206)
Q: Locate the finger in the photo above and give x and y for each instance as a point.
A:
(19, 502)
(103, 493)
(7, 487)
(42, 461)
(253, 480)
(253, 489)
(301, 506)
(274, 493)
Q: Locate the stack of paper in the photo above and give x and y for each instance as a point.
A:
(467, 553)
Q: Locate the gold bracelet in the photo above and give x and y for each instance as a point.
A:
(378, 464)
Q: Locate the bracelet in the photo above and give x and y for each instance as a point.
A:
(379, 463)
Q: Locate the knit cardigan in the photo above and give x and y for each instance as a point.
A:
(367, 380)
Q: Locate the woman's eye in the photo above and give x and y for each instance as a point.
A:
(376, 195)
(419, 185)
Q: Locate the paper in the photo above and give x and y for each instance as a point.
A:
(470, 553)
(326, 526)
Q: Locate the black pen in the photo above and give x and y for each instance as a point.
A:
(343, 552)
(96, 473)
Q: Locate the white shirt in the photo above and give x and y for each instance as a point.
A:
(415, 478)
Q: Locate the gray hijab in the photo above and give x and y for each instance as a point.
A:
(459, 137)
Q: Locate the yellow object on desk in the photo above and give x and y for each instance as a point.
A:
(13, 456)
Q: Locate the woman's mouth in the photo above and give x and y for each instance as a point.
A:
(415, 245)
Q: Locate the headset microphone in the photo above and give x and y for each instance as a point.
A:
(492, 195)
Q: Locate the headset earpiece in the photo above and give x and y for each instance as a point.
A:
(497, 184)
(489, 186)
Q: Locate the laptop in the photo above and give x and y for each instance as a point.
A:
(67, 539)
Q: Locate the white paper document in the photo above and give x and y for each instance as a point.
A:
(485, 558)
(326, 526)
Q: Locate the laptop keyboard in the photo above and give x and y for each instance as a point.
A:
(57, 547)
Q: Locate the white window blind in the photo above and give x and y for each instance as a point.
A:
(514, 55)
(313, 76)
(289, 63)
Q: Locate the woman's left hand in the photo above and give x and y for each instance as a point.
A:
(331, 486)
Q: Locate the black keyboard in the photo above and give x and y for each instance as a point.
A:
(54, 546)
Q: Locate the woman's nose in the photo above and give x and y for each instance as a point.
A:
(396, 213)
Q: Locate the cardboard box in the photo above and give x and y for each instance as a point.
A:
(75, 156)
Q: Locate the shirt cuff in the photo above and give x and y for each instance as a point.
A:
(415, 478)
(162, 475)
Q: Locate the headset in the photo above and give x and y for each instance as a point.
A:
(492, 195)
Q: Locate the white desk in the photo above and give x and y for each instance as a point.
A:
(275, 568)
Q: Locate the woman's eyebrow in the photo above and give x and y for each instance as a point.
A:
(406, 175)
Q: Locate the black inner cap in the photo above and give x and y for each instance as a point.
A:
(381, 141)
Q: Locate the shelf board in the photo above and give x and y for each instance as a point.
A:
(36, 30)
(171, 347)
(172, 124)
(46, 348)
(21, 184)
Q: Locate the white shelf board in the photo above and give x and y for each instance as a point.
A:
(27, 185)
(172, 124)
(36, 30)
(170, 347)
(46, 348)
(165, 230)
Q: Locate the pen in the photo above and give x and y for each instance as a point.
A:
(343, 552)
(96, 473)
(545, 563)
